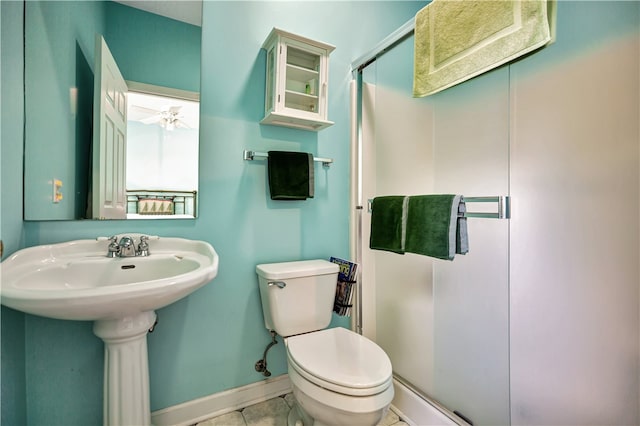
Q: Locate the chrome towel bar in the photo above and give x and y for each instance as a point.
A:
(253, 155)
(503, 207)
(503, 204)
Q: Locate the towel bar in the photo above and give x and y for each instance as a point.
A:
(503, 204)
(251, 155)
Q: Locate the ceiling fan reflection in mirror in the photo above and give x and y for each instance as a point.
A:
(168, 113)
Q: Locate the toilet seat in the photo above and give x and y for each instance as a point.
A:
(340, 360)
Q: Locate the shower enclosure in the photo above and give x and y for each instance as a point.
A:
(444, 324)
(538, 323)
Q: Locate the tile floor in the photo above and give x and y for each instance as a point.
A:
(274, 412)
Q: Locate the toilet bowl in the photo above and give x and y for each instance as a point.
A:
(338, 377)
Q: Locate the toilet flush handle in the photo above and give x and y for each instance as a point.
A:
(280, 284)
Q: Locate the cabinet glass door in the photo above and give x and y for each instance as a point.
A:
(271, 80)
(302, 80)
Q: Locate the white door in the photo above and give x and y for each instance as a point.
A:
(109, 137)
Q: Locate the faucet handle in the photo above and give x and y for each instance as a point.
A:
(114, 249)
(143, 246)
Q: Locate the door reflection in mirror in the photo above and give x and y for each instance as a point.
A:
(107, 198)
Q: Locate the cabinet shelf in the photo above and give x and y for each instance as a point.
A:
(286, 120)
(300, 97)
(301, 101)
(295, 72)
(296, 87)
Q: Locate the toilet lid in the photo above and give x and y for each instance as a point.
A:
(341, 357)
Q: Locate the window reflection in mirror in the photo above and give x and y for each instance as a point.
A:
(162, 134)
(59, 83)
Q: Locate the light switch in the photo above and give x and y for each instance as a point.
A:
(57, 190)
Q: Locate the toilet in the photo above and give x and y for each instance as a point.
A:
(338, 377)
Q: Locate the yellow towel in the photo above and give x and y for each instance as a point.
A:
(456, 40)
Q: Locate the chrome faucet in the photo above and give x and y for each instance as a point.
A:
(127, 247)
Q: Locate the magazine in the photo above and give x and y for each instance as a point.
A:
(344, 290)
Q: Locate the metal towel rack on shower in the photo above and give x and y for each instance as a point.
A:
(503, 203)
(503, 207)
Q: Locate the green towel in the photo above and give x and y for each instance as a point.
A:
(457, 40)
(291, 175)
(388, 218)
(432, 225)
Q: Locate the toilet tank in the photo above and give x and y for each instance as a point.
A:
(297, 297)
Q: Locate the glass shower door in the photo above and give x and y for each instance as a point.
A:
(445, 325)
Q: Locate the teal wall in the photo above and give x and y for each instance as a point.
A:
(153, 49)
(11, 151)
(210, 341)
(59, 52)
(12, 323)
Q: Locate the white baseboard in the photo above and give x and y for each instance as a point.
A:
(200, 409)
(415, 411)
(410, 407)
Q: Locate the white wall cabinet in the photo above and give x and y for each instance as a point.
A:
(297, 73)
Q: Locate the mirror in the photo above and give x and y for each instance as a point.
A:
(158, 55)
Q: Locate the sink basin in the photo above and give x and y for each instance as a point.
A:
(76, 281)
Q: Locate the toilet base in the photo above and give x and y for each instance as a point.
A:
(302, 414)
(297, 417)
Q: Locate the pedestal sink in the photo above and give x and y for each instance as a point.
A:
(77, 281)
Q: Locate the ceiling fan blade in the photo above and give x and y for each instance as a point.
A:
(145, 110)
(142, 114)
(152, 119)
(182, 124)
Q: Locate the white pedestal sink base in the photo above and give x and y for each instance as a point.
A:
(76, 281)
(126, 368)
